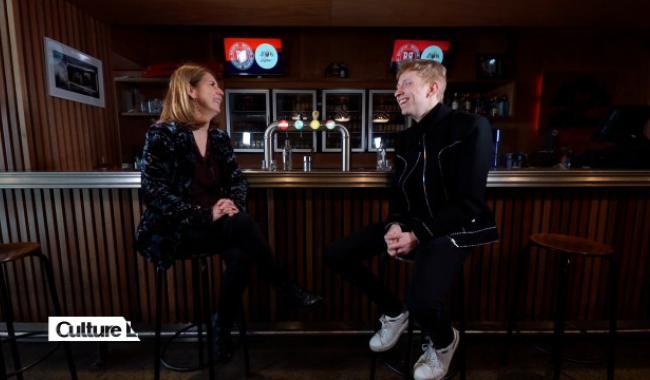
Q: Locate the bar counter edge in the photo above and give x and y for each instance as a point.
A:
(334, 179)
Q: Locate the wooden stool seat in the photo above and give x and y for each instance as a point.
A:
(16, 251)
(571, 245)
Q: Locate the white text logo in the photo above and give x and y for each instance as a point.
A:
(95, 329)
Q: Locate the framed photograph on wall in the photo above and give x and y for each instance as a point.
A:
(73, 75)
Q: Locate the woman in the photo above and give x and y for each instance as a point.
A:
(195, 195)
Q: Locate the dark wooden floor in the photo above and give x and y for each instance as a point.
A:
(346, 357)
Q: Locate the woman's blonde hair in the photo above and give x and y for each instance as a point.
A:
(178, 106)
(429, 70)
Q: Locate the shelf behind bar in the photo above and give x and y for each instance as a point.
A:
(333, 179)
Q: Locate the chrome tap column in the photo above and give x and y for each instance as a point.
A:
(273, 127)
(345, 147)
(268, 145)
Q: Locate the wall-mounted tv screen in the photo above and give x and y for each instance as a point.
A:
(404, 50)
(254, 56)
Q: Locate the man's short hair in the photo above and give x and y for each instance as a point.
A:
(429, 70)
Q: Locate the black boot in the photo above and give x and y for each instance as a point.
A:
(224, 347)
(294, 296)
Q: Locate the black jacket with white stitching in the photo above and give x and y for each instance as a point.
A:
(440, 177)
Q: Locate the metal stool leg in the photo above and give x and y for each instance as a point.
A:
(102, 350)
(613, 299)
(462, 357)
(160, 283)
(381, 274)
(243, 337)
(196, 296)
(205, 288)
(408, 370)
(3, 369)
(9, 317)
(560, 310)
(373, 364)
(522, 261)
(47, 266)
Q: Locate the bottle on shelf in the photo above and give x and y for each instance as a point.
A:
(467, 103)
(286, 155)
(503, 106)
(454, 102)
(492, 110)
(479, 104)
(382, 162)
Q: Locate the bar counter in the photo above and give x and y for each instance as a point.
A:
(334, 179)
(85, 223)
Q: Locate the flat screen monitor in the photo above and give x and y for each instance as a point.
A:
(404, 50)
(623, 123)
(254, 56)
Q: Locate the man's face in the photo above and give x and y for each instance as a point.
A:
(414, 96)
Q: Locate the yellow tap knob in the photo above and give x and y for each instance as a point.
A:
(315, 124)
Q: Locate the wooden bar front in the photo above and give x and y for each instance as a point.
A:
(85, 223)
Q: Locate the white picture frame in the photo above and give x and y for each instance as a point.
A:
(73, 75)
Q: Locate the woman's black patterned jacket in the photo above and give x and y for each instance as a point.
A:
(167, 167)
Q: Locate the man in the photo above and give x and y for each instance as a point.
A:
(437, 212)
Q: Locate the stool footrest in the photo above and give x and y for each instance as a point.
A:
(15, 338)
(35, 362)
(172, 366)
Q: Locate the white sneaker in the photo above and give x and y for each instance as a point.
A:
(446, 354)
(428, 366)
(391, 329)
(434, 364)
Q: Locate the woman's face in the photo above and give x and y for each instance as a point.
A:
(208, 96)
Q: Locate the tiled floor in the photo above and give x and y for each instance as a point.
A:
(345, 357)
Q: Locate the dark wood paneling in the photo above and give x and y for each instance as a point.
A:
(88, 235)
(59, 134)
(13, 142)
(378, 13)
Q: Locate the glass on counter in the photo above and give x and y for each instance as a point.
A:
(247, 116)
(384, 120)
(294, 105)
(346, 107)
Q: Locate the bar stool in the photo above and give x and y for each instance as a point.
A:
(202, 307)
(12, 252)
(405, 372)
(567, 248)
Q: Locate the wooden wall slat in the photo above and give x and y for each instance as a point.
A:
(83, 213)
(41, 236)
(26, 71)
(88, 235)
(8, 109)
(5, 61)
